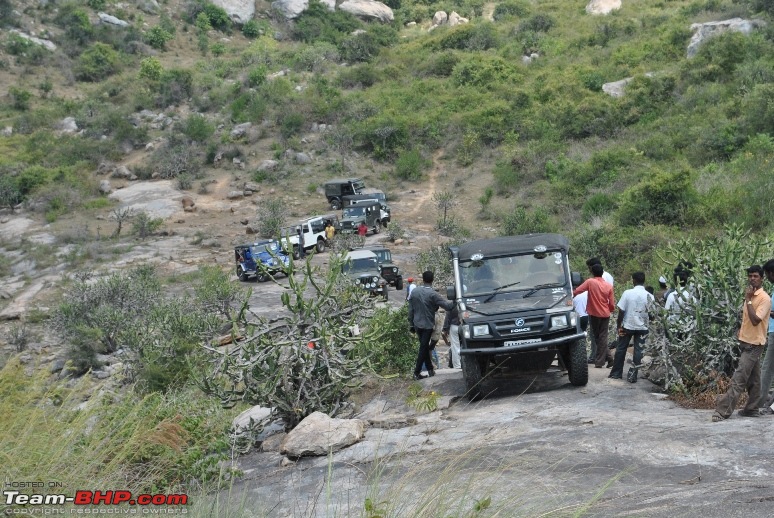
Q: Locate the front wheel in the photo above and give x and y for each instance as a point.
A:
(399, 283)
(578, 366)
(296, 253)
(321, 245)
(376, 228)
(473, 371)
(262, 277)
(385, 293)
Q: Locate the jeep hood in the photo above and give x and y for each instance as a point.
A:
(496, 307)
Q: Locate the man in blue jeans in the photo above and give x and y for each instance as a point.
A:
(633, 321)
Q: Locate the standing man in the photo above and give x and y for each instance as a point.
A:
(330, 231)
(633, 321)
(423, 304)
(600, 305)
(661, 294)
(609, 278)
(410, 287)
(362, 229)
(752, 338)
(301, 249)
(451, 333)
(767, 370)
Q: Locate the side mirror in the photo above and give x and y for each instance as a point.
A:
(451, 293)
(576, 279)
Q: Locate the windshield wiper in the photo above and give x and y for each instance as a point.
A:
(498, 289)
(539, 287)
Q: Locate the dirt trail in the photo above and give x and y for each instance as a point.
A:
(421, 202)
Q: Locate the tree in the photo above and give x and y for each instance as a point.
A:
(445, 202)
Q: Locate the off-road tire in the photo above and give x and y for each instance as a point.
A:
(296, 253)
(385, 222)
(242, 276)
(577, 366)
(320, 245)
(473, 371)
(262, 277)
(376, 228)
(385, 293)
(399, 283)
(335, 204)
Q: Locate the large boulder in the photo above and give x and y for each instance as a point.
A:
(455, 19)
(240, 11)
(603, 6)
(319, 434)
(290, 9)
(45, 43)
(112, 20)
(703, 31)
(368, 9)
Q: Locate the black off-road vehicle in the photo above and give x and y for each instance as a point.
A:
(390, 271)
(362, 267)
(514, 296)
(336, 189)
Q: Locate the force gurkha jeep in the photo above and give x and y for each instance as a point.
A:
(385, 212)
(362, 267)
(336, 189)
(514, 296)
(368, 212)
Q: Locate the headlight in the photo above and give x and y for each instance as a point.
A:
(558, 321)
(466, 331)
(394, 270)
(481, 330)
(273, 262)
(375, 279)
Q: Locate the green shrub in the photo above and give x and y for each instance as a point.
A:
(20, 98)
(97, 5)
(256, 76)
(157, 37)
(471, 37)
(537, 23)
(359, 47)
(197, 128)
(97, 62)
(251, 29)
(362, 76)
(597, 205)
(484, 71)
(150, 68)
(440, 64)
(203, 23)
(395, 351)
(318, 24)
(291, 124)
(218, 49)
(521, 221)
(218, 17)
(410, 165)
(26, 51)
(511, 8)
(271, 217)
(315, 57)
(663, 198)
(75, 21)
(175, 86)
(144, 225)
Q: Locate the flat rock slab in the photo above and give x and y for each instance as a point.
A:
(159, 199)
(535, 446)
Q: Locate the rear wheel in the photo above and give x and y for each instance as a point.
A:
(376, 228)
(577, 366)
(321, 245)
(335, 204)
(399, 283)
(473, 370)
(241, 275)
(296, 253)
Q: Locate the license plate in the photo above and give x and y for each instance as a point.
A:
(522, 342)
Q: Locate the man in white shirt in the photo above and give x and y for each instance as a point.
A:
(634, 308)
(677, 301)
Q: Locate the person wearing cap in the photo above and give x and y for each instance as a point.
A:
(661, 294)
(410, 287)
(752, 338)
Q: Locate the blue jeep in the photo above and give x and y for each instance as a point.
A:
(260, 260)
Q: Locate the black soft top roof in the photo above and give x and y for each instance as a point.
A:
(344, 180)
(508, 245)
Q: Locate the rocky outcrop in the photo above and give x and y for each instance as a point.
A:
(455, 19)
(703, 31)
(603, 6)
(290, 9)
(112, 20)
(319, 434)
(46, 43)
(67, 125)
(368, 9)
(441, 18)
(240, 11)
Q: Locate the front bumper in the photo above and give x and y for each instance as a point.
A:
(522, 347)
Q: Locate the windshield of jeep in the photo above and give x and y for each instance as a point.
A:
(383, 255)
(267, 247)
(515, 273)
(358, 186)
(365, 264)
(353, 212)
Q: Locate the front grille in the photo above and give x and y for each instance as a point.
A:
(507, 328)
